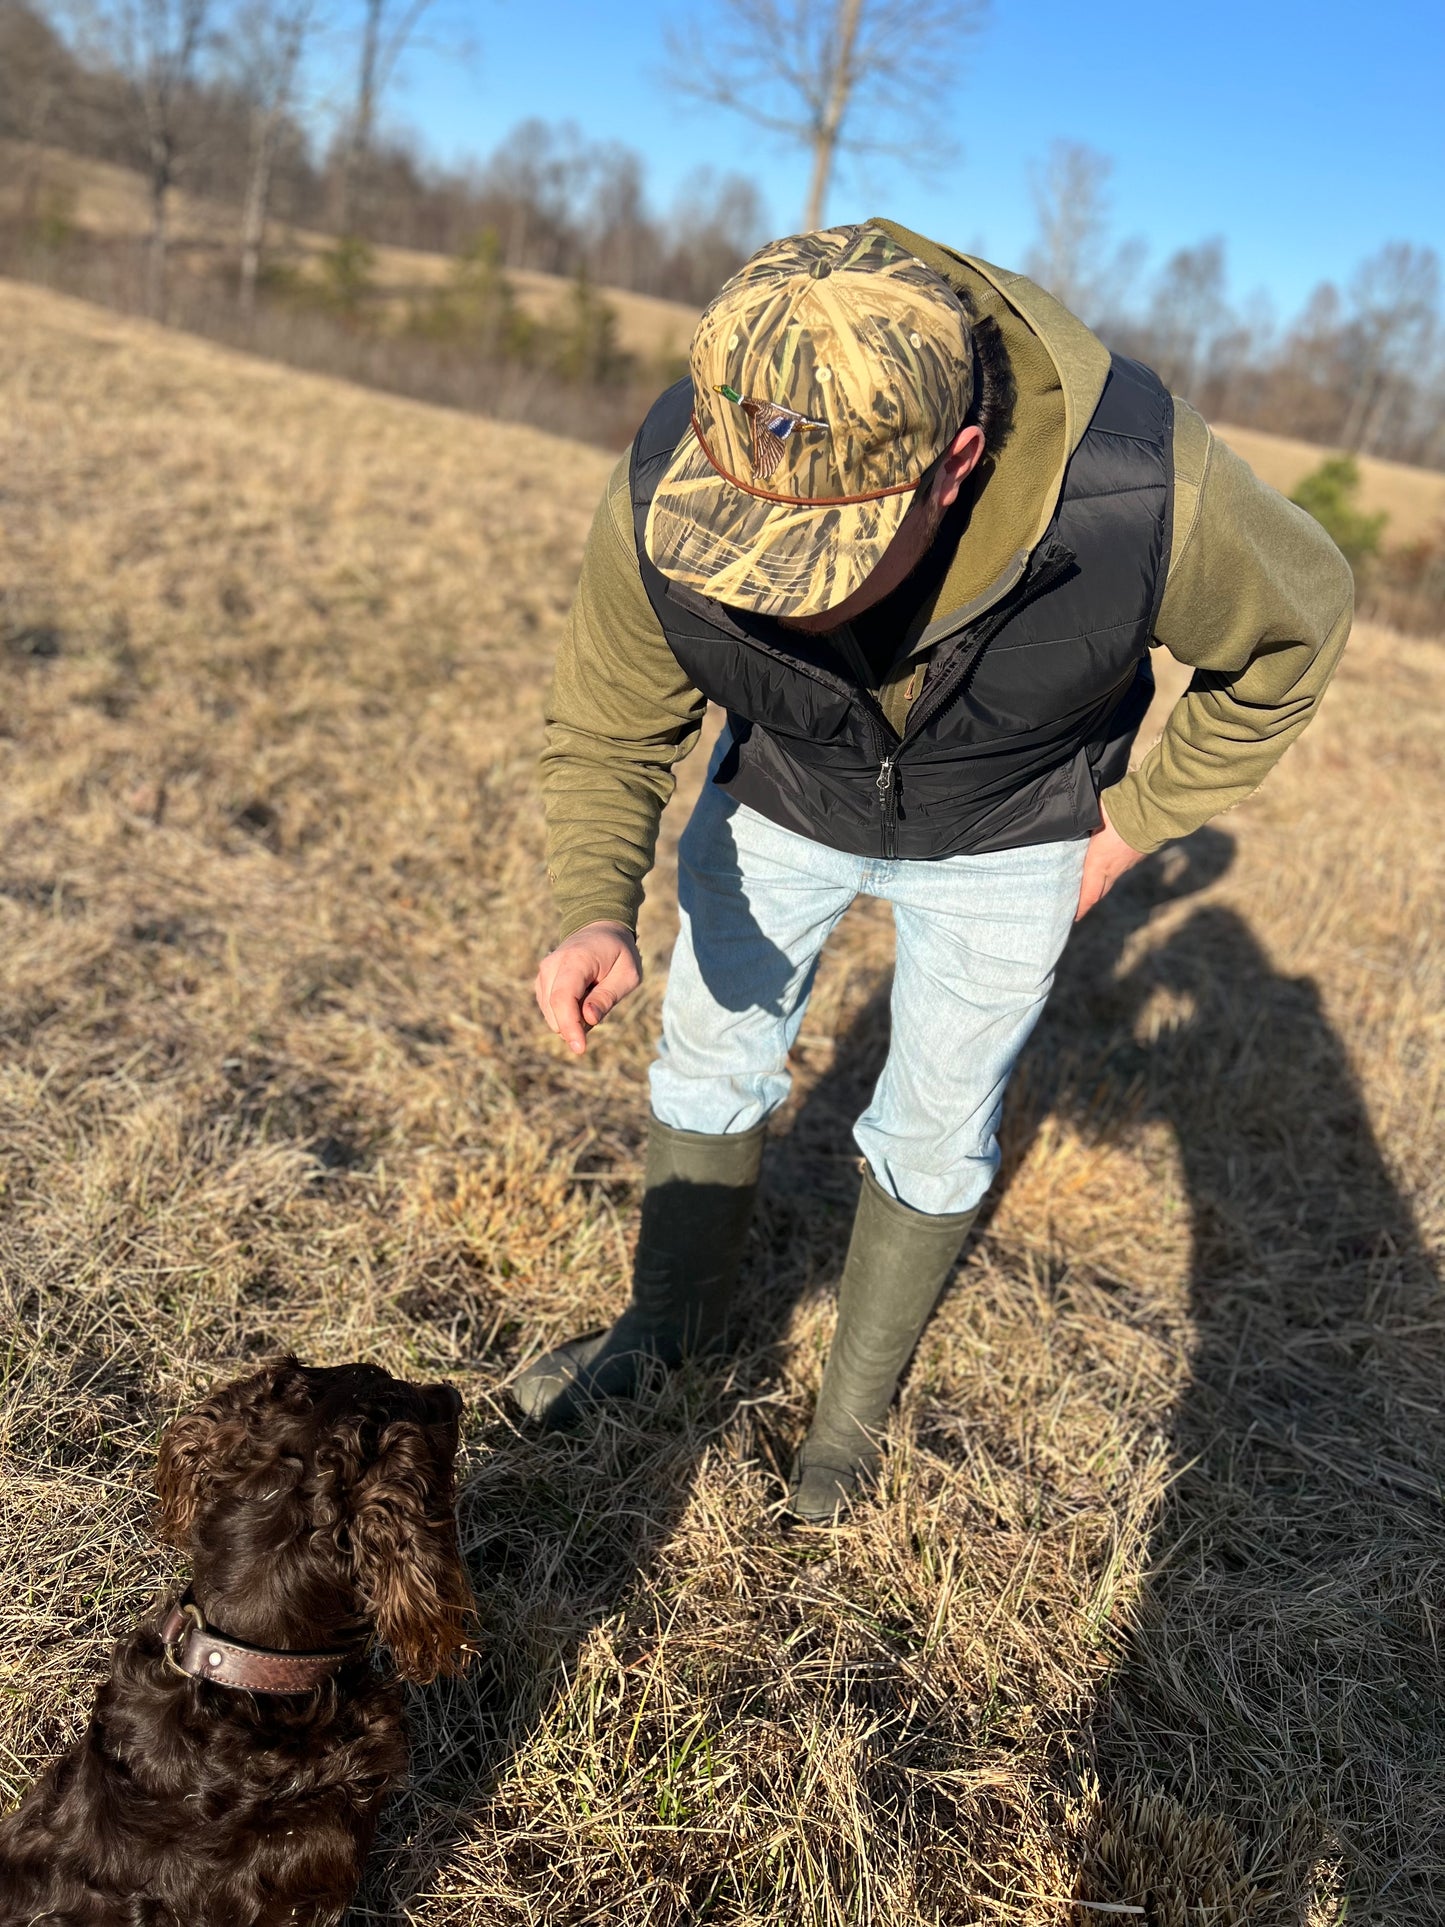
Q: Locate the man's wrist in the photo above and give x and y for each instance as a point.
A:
(593, 920)
(1119, 810)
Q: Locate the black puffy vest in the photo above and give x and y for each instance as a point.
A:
(1026, 713)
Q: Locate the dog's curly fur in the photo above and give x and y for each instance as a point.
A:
(316, 1506)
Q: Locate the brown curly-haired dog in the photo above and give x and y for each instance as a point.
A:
(316, 1506)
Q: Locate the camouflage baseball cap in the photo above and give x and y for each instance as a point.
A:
(828, 376)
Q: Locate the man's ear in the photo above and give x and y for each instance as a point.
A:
(405, 1557)
(958, 464)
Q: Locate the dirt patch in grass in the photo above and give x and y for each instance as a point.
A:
(1145, 1624)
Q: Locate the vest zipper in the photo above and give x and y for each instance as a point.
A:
(1049, 570)
(886, 783)
(948, 688)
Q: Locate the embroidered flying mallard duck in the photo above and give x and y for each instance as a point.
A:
(770, 424)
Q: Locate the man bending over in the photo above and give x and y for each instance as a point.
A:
(916, 529)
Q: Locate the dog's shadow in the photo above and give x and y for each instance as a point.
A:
(1307, 1271)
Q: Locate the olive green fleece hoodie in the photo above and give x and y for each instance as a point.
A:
(1258, 602)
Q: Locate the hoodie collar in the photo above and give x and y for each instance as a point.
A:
(1060, 367)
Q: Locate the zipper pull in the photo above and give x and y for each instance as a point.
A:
(888, 804)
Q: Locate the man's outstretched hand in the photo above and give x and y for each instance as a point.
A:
(584, 977)
(1105, 861)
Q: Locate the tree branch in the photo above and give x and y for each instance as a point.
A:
(818, 73)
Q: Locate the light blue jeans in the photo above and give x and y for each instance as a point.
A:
(977, 941)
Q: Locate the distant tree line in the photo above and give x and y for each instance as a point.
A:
(207, 94)
(1361, 367)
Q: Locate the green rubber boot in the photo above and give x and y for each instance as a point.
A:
(697, 1203)
(898, 1261)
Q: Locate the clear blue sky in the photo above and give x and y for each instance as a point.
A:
(1305, 134)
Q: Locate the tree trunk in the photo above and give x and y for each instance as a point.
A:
(33, 163)
(830, 124)
(253, 218)
(160, 185)
(1363, 403)
(516, 256)
(358, 146)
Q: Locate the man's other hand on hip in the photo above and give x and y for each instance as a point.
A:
(1105, 861)
(587, 975)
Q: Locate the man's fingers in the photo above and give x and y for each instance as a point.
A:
(1095, 887)
(582, 980)
(542, 991)
(561, 999)
(569, 1026)
(621, 980)
(1089, 886)
(601, 998)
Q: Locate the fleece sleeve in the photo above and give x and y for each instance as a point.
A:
(1258, 602)
(620, 714)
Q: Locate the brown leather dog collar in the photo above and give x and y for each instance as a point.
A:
(193, 1647)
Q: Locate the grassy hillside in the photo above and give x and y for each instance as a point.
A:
(111, 201)
(1146, 1625)
(108, 201)
(1413, 498)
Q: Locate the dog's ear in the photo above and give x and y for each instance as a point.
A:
(182, 1477)
(404, 1549)
(216, 1444)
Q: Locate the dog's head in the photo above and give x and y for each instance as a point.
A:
(314, 1499)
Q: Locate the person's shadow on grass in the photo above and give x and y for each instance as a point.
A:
(1269, 1747)
(1273, 1724)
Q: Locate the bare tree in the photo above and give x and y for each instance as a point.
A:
(159, 44)
(387, 27)
(1189, 316)
(1395, 295)
(270, 38)
(539, 176)
(1074, 256)
(622, 246)
(832, 76)
(716, 223)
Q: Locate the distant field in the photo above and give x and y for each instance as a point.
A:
(1414, 498)
(111, 200)
(1146, 1625)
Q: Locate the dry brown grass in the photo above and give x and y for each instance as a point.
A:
(1145, 1626)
